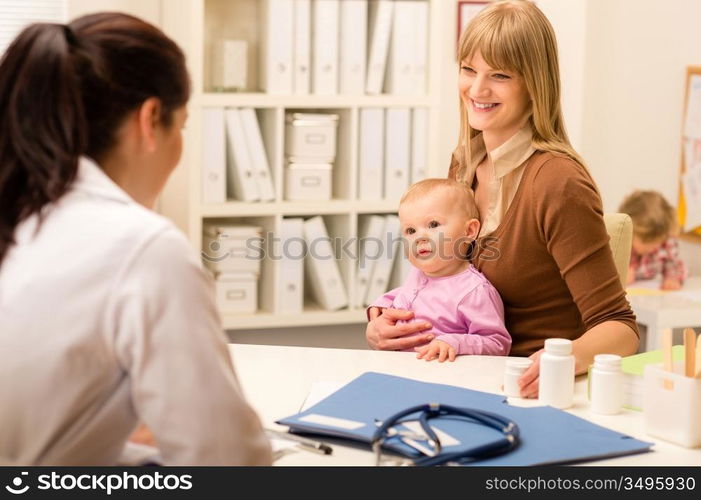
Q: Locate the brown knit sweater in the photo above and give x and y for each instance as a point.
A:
(550, 259)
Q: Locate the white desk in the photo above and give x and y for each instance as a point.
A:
(661, 310)
(276, 380)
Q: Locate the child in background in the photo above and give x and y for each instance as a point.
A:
(655, 249)
(439, 221)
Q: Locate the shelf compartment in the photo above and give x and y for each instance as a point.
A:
(309, 317)
(263, 100)
(302, 208)
(266, 280)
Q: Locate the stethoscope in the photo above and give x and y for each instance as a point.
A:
(386, 429)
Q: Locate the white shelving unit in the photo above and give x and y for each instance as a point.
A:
(194, 24)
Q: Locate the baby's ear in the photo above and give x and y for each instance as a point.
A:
(472, 229)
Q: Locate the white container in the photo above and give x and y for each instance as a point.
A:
(237, 292)
(515, 367)
(228, 65)
(308, 181)
(672, 406)
(311, 135)
(606, 384)
(232, 248)
(556, 382)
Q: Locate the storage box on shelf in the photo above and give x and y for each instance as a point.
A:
(199, 26)
(310, 154)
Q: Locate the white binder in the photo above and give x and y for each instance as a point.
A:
(290, 286)
(420, 56)
(353, 46)
(419, 140)
(371, 154)
(213, 156)
(321, 269)
(303, 47)
(256, 151)
(397, 150)
(276, 49)
(325, 47)
(379, 281)
(400, 60)
(241, 180)
(380, 25)
(370, 249)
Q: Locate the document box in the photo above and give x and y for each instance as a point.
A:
(310, 135)
(308, 181)
(237, 292)
(232, 248)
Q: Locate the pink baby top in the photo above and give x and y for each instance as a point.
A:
(464, 309)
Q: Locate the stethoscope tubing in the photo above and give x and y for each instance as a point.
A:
(507, 427)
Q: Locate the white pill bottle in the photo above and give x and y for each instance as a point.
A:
(556, 385)
(606, 384)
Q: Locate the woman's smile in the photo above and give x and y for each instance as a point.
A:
(483, 107)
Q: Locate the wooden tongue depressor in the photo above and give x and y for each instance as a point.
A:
(667, 350)
(689, 352)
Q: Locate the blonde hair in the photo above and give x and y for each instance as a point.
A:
(653, 217)
(464, 197)
(514, 35)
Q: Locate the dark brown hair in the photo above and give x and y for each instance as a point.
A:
(64, 92)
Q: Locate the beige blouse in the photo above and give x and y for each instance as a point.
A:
(508, 161)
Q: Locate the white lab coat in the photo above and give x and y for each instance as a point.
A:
(106, 318)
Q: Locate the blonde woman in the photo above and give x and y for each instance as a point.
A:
(543, 243)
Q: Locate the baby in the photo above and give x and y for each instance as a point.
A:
(439, 222)
(655, 250)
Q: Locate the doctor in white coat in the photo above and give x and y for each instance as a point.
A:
(106, 318)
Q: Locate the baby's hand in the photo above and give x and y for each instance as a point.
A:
(436, 349)
(671, 284)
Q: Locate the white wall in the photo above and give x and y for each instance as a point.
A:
(637, 52)
(149, 10)
(568, 18)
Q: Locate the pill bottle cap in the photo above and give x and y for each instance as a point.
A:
(608, 362)
(561, 347)
(518, 365)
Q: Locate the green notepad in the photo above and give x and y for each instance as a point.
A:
(633, 368)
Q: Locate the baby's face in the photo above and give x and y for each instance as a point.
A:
(436, 233)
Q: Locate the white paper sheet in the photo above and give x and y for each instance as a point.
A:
(692, 125)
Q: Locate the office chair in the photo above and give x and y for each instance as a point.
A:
(620, 230)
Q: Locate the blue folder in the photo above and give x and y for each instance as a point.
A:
(548, 435)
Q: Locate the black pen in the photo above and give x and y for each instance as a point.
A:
(315, 446)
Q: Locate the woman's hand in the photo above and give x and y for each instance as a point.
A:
(384, 334)
(531, 377)
(528, 383)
